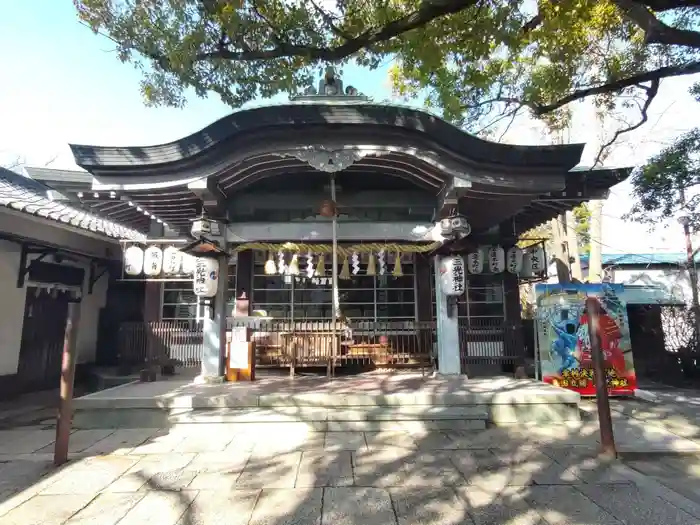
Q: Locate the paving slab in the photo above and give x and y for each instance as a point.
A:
(325, 469)
(45, 510)
(345, 441)
(357, 506)
(380, 467)
(431, 506)
(389, 439)
(633, 437)
(162, 442)
(565, 505)
(90, 476)
(106, 509)
(25, 441)
(80, 440)
(431, 469)
(270, 472)
(216, 470)
(294, 441)
(636, 506)
(288, 507)
(120, 441)
(161, 507)
(166, 467)
(498, 508)
(212, 507)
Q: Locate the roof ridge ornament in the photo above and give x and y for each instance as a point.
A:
(327, 160)
(330, 88)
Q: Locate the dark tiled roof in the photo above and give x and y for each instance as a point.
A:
(29, 196)
(294, 117)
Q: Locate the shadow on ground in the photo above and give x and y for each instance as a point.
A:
(275, 474)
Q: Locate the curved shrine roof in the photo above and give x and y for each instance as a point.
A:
(365, 122)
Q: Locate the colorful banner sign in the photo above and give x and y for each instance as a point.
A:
(563, 340)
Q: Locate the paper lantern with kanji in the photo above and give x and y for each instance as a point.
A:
(497, 259)
(153, 261)
(514, 259)
(133, 261)
(205, 280)
(452, 275)
(172, 260)
(533, 262)
(475, 261)
(188, 263)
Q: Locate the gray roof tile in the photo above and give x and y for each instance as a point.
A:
(29, 196)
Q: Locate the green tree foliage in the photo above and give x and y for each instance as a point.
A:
(667, 184)
(582, 215)
(475, 60)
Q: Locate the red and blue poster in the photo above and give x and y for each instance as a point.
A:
(563, 341)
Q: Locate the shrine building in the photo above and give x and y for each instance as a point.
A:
(234, 225)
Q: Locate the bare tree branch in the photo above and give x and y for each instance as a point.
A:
(651, 92)
(656, 31)
(428, 12)
(690, 68)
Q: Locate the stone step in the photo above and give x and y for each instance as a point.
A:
(334, 419)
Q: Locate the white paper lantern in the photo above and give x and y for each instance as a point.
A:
(133, 260)
(514, 260)
(452, 275)
(172, 260)
(188, 264)
(533, 262)
(497, 259)
(153, 261)
(475, 262)
(206, 277)
(537, 262)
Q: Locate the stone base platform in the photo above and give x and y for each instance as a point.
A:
(376, 401)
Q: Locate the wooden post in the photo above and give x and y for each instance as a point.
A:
(607, 438)
(65, 407)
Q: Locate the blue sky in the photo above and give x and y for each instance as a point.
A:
(63, 84)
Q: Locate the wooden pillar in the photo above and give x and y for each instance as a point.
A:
(65, 407)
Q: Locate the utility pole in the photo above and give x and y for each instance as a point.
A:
(595, 260)
(692, 270)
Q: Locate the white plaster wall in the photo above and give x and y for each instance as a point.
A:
(92, 304)
(674, 281)
(11, 308)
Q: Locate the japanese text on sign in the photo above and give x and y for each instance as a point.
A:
(458, 275)
(200, 276)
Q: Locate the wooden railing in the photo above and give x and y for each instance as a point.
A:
(281, 343)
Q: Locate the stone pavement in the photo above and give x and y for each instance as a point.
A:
(285, 474)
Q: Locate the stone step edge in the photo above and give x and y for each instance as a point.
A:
(205, 403)
(246, 415)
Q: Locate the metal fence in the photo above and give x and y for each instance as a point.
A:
(287, 344)
(485, 342)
